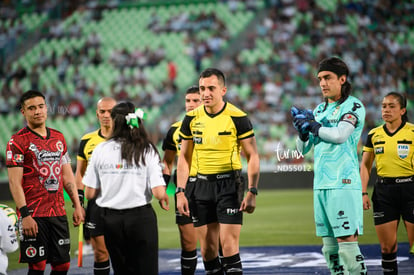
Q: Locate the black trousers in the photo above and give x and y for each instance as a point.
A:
(131, 237)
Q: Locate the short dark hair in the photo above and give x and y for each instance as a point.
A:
(28, 95)
(213, 71)
(193, 90)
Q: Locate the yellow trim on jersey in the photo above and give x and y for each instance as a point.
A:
(394, 153)
(88, 144)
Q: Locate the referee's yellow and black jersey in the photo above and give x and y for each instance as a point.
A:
(394, 152)
(216, 138)
(88, 143)
(172, 142)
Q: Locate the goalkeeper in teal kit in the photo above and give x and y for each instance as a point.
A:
(334, 129)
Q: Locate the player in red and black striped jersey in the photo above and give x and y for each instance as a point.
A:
(41, 159)
(39, 168)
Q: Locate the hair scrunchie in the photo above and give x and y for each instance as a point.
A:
(132, 118)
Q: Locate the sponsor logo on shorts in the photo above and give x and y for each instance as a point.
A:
(378, 215)
(341, 216)
(223, 176)
(31, 252)
(63, 241)
(232, 211)
(345, 225)
(320, 224)
(410, 179)
(90, 225)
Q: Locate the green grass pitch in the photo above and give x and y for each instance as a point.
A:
(282, 218)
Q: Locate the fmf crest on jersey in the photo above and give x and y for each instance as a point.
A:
(403, 150)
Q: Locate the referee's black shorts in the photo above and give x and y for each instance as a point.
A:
(189, 190)
(393, 198)
(93, 220)
(217, 198)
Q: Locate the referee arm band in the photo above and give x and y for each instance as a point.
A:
(364, 193)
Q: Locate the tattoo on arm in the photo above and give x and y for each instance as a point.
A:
(69, 189)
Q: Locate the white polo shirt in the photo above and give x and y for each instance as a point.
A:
(122, 186)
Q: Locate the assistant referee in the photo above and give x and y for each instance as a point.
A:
(391, 146)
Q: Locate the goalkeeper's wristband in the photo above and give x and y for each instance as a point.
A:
(81, 195)
(166, 179)
(24, 211)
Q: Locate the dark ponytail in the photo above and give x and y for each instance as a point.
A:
(134, 140)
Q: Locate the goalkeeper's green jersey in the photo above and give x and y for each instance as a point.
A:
(336, 165)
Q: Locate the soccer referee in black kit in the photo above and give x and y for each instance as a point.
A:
(216, 132)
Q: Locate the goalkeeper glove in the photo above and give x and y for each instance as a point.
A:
(299, 120)
(314, 128)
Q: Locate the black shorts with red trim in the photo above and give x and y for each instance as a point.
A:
(52, 242)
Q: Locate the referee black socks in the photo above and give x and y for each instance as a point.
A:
(213, 267)
(232, 265)
(389, 263)
(101, 268)
(188, 262)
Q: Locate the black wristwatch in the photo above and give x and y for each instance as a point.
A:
(253, 190)
(179, 189)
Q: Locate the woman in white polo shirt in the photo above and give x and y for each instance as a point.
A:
(123, 175)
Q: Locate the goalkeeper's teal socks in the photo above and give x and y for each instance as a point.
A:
(352, 258)
(330, 251)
